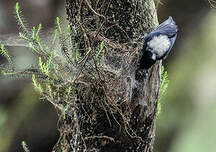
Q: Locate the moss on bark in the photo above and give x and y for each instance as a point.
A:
(117, 113)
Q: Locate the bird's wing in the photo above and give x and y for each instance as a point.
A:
(167, 22)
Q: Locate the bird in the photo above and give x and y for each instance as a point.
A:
(158, 43)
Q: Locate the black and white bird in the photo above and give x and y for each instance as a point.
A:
(158, 43)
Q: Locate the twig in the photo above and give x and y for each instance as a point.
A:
(105, 137)
(89, 5)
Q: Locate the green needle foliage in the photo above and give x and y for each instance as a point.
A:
(36, 84)
(78, 77)
(25, 146)
(4, 53)
(19, 18)
(163, 88)
(59, 61)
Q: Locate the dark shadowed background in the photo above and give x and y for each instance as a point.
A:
(187, 121)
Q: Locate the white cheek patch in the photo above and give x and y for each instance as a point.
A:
(159, 44)
(153, 56)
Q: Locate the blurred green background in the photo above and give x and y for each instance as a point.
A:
(187, 121)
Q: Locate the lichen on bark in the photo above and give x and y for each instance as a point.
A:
(115, 110)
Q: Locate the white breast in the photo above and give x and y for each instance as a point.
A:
(159, 44)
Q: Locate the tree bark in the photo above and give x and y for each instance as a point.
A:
(122, 112)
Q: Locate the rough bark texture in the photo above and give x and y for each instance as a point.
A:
(128, 124)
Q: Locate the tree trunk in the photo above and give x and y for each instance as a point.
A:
(118, 111)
